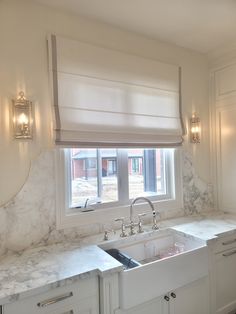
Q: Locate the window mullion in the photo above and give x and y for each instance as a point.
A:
(68, 176)
(149, 169)
(167, 172)
(123, 176)
(99, 173)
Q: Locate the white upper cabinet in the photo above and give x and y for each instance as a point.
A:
(224, 132)
(226, 153)
(225, 85)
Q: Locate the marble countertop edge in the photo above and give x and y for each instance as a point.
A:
(29, 292)
(41, 269)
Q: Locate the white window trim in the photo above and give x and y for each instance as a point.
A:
(106, 213)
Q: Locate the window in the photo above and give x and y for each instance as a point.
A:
(97, 181)
(112, 105)
(105, 180)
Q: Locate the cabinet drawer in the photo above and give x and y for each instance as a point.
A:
(85, 306)
(56, 299)
(225, 280)
(225, 243)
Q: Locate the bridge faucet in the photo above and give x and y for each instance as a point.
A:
(154, 213)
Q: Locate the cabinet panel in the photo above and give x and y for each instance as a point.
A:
(225, 278)
(156, 306)
(191, 299)
(225, 82)
(226, 155)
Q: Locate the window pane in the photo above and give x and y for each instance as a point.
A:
(109, 175)
(93, 176)
(147, 173)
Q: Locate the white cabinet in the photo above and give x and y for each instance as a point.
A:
(223, 276)
(156, 306)
(226, 156)
(223, 133)
(190, 299)
(81, 297)
(223, 258)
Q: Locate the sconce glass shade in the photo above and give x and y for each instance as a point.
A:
(22, 117)
(195, 129)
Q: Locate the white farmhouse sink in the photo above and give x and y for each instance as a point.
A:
(167, 261)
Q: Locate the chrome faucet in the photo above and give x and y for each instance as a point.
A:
(133, 224)
(154, 213)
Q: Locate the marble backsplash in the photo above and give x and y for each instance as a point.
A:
(197, 195)
(29, 219)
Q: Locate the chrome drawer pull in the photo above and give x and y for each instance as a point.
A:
(229, 254)
(229, 242)
(55, 300)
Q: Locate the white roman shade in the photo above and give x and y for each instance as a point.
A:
(106, 98)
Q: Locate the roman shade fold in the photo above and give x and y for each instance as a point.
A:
(106, 98)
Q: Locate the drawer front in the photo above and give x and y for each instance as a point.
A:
(56, 299)
(69, 309)
(85, 306)
(225, 243)
(225, 279)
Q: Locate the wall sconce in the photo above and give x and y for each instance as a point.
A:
(195, 129)
(22, 117)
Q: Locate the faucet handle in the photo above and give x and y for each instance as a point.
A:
(106, 232)
(140, 227)
(123, 233)
(154, 215)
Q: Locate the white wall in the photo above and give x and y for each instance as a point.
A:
(23, 63)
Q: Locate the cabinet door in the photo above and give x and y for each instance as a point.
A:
(226, 155)
(156, 306)
(190, 299)
(225, 281)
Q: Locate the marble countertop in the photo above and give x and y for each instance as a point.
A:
(40, 269)
(208, 227)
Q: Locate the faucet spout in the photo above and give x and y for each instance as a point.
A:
(142, 198)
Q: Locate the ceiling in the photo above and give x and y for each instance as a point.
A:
(201, 25)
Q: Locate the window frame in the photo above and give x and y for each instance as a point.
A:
(107, 212)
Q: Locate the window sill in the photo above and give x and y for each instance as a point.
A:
(108, 215)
